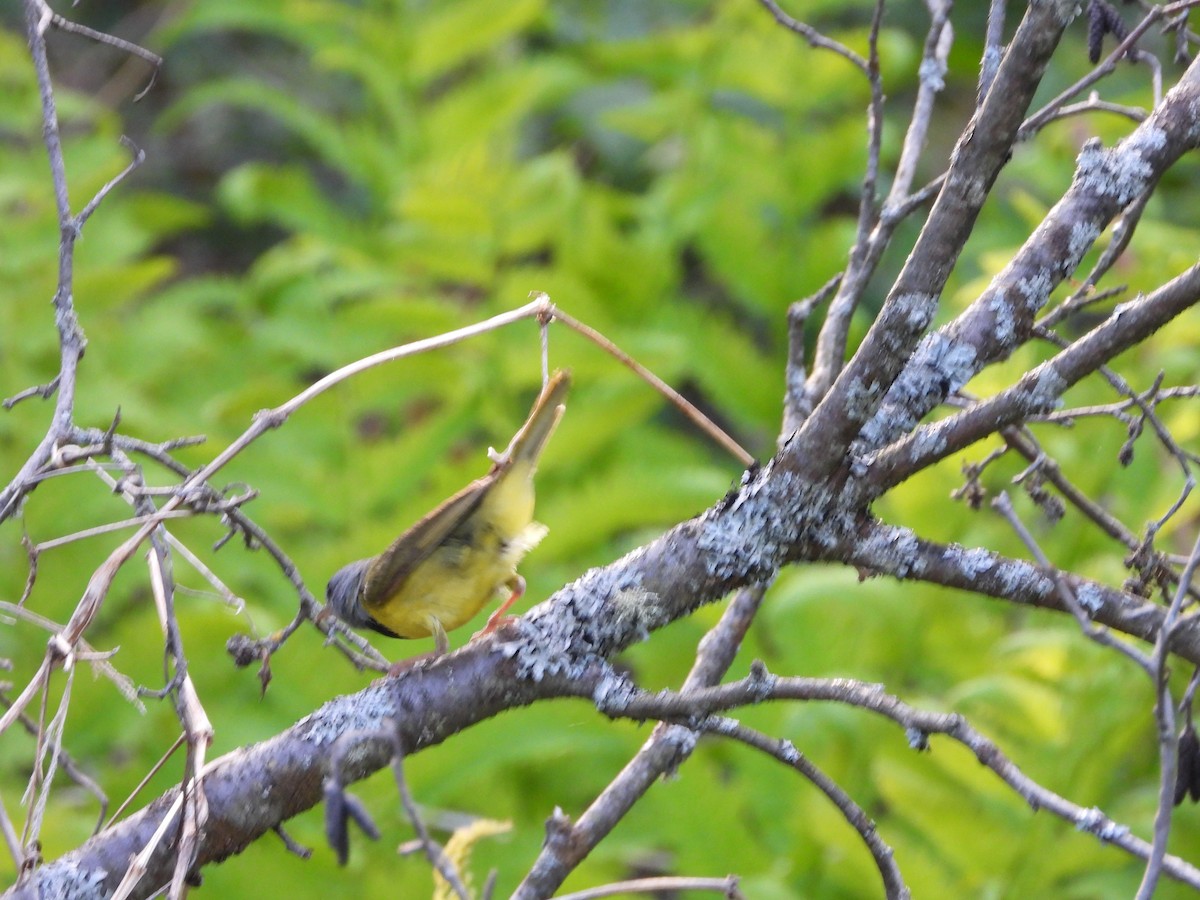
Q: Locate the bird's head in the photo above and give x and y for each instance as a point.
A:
(343, 592)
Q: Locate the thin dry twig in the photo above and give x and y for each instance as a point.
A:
(68, 765)
(196, 725)
(876, 228)
(154, 770)
(728, 886)
(140, 864)
(1106, 67)
(548, 311)
(993, 49)
(63, 24)
(109, 527)
(785, 752)
(815, 38)
(11, 840)
(49, 736)
(45, 391)
(1097, 633)
(340, 806)
(1168, 739)
(433, 851)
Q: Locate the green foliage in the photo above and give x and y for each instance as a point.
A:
(672, 174)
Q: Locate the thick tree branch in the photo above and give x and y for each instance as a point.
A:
(1001, 320)
(888, 550)
(978, 157)
(1037, 391)
(284, 774)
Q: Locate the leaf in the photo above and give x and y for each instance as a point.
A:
(462, 29)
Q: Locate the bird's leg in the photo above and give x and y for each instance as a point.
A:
(516, 585)
(441, 643)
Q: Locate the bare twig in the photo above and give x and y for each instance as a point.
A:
(1168, 741)
(1107, 66)
(785, 752)
(667, 748)
(855, 397)
(667, 885)
(154, 769)
(796, 403)
(101, 37)
(815, 38)
(875, 230)
(68, 764)
(11, 840)
(45, 391)
(196, 725)
(108, 527)
(548, 310)
(291, 844)
(1096, 633)
(340, 805)
(434, 853)
(918, 726)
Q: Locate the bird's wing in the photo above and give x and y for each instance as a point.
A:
(392, 568)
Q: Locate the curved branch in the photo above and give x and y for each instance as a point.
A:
(918, 724)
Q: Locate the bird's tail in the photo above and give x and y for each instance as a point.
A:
(528, 443)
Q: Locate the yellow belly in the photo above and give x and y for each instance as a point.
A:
(475, 563)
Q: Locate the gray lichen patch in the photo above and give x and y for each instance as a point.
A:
(1121, 173)
(365, 711)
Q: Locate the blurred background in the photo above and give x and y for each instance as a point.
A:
(327, 179)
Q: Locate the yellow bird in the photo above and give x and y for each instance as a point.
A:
(437, 575)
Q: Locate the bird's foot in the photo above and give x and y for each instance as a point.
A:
(516, 587)
(496, 620)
